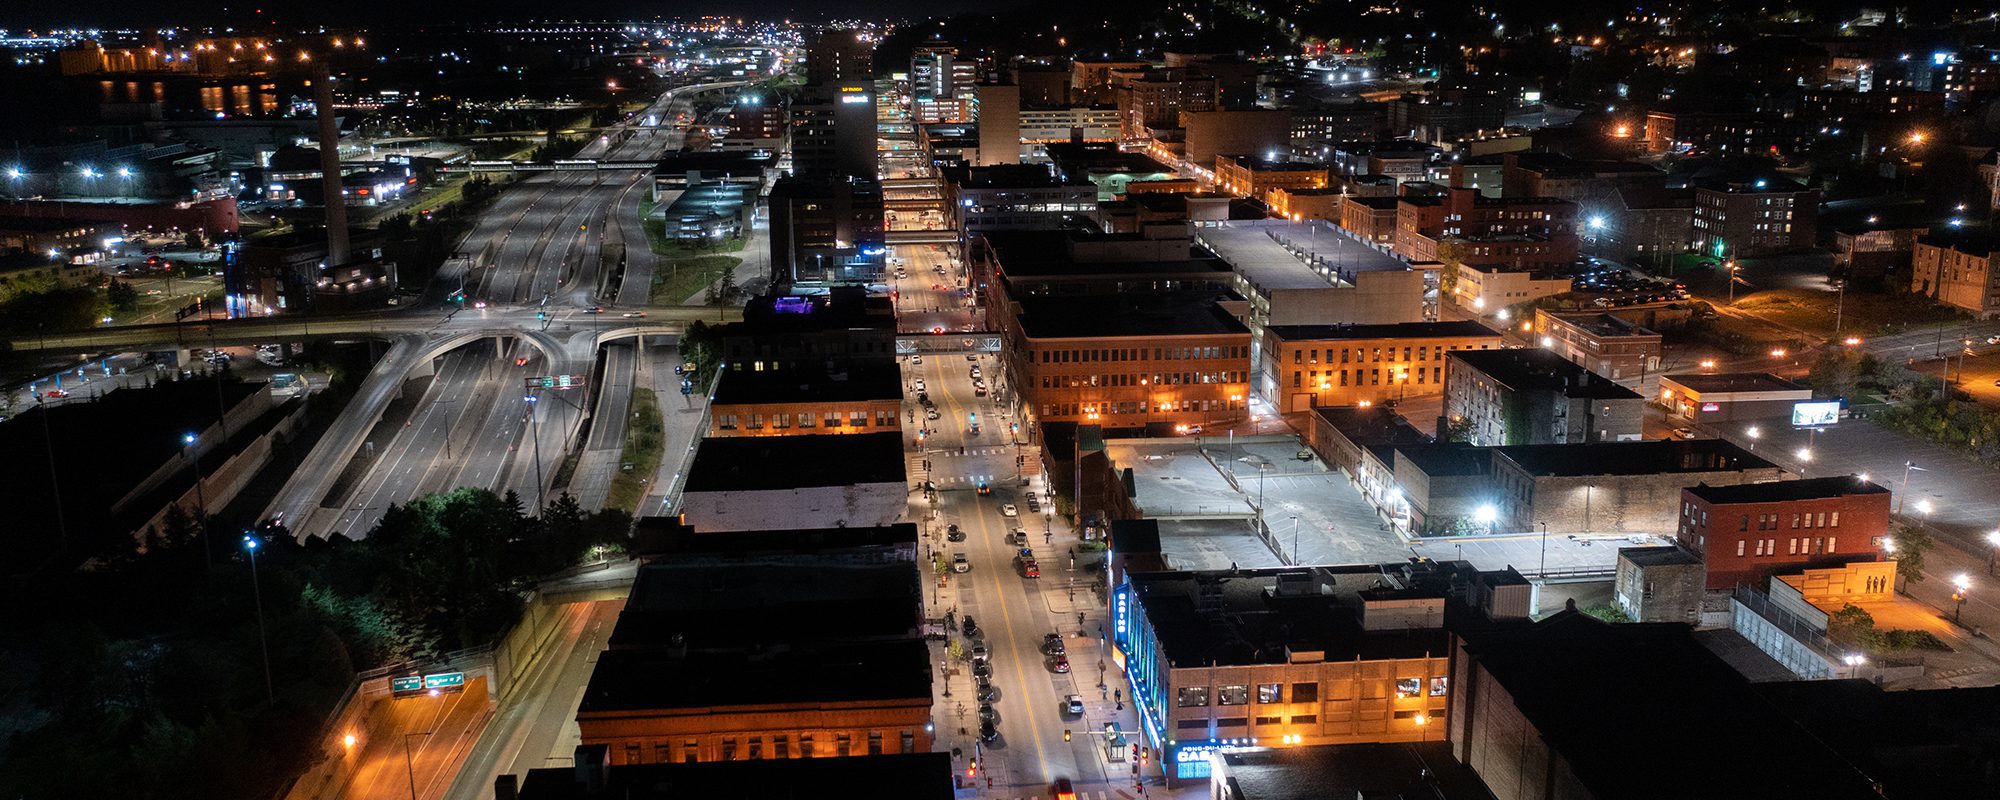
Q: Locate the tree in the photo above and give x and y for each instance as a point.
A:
(1459, 430)
(193, 240)
(702, 347)
(1911, 543)
(121, 295)
(725, 292)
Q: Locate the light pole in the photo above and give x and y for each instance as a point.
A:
(1733, 269)
(536, 423)
(1903, 491)
(250, 545)
(1960, 584)
(1993, 551)
(410, 763)
(1295, 541)
(1839, 301)
(200, 499)
(1545, 549)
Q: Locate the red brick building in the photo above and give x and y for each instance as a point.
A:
(1746, 532)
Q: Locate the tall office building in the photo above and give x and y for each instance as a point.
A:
(833, 130)
(999, 114)
(942, 85)
(835, 56)
(826, 230)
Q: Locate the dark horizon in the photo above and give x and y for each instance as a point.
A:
(376, 14)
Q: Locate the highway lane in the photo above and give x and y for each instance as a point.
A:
(396, 468)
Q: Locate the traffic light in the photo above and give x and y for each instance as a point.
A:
(971, 766)
(1065, 734)
(1145, 754)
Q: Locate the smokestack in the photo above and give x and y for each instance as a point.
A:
(329, 169)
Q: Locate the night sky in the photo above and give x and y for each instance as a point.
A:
(378, 13)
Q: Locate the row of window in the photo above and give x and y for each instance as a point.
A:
(781, 747)
(1130, 379)
(831, 419)
(1138, 407)
(1771, 522)
(1274, 693)
(1366, 354)
(1097, 355)
(1797, 546)
(1369, 377)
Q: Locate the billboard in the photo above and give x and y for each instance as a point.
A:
(1815, 413)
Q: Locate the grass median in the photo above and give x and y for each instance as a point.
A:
(675, 282)
(645, 439)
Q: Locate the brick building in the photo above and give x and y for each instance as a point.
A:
(807, 400)
(1602, 343)
(1869, 253)
(1748, 532)
(1642, 222)
(1362, 659)
(1256, 176)
(1129, 361)
(1754, 215)
(1306, 366)
(1303, 203)
(1536, 397)
(1958, 271)
(1469, 228)
(1370, 219)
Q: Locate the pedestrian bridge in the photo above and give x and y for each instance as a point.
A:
(920, 237)
(558, 165)
(947, 342)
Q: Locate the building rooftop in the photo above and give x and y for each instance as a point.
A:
(904, 776)
(1375, 771)
(1257, 250)
(1659, 556)
(753, 463)
(739, 164)
(1262, 164)
(1126, 316)
(660, 536)
(1611, 698)
(1376, 203)
(847, 672)
(1782, 491)
(844, 307)
(1558, 165)
(1637, 196)
(1243, 617)
(1534, 369)
(1013, 176)
(1448, 458)
(23, 224)
(1735, 382)
(1929, 743)
(717, 605)
(1632, 458)
(861, 381)
(1371, 426)
(1401, 330)
(1603, 325)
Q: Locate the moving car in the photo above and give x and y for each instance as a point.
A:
(1007, 510)
(1073, 705)
(959, 564)
(917, 360)
(1030, 569)
(954, 534)
(632, 314)
(931, 413)
(55, 393)
(968, 627)
(1053, 645)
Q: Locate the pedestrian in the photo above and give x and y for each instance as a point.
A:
(1079, 618)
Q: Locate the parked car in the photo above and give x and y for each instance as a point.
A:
(1073, 705)
(1007, 510)
(1059, 664)
(1053, 645)
(959, 564)
(980, 653)
(1030, 569)
(987, 732)
(968, 627)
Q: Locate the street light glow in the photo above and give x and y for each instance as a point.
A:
(1486, 514)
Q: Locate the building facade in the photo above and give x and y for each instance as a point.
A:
(1130, 361)
(1760, 215)
(1505, 397)
(1957, 272)
(1307, 366)
(1602, 343)
(1748, 532)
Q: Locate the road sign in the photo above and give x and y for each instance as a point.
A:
(555, 382)
(445, 680)
(406, 683)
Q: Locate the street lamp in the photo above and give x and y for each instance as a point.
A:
(1753, 433)
(1486, 515)
(1992, 552)
(250, 545)
(410, 763)
(1960, 584)
(200, 498)
(1545, 550)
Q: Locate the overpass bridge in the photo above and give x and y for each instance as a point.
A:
(920, 237)
(558, 165)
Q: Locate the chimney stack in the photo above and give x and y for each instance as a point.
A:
(329, 168)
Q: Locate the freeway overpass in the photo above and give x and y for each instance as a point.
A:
(558, 165)
(920, 237)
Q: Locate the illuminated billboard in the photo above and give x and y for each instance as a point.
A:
(1813, 414)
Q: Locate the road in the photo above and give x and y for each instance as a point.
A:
(419, 743)
(535, 725)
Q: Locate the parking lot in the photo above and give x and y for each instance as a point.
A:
(1205, 493)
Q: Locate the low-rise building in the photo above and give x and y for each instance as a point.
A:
(1748, 532)
(1754, 215)
(844, 326)
(1361, 441)
(1303, 203)
(1306, 366)
(1728, 396)
(593, 776)
(1319, 655)
(1659, 584)
(1129, 361)
(862, 398)
(1487, 289)
(1312, 273)
(1958, 271)
(1017, 197)
(1370, 219)
(1584, 182)
(1641, 223)
(1870, 253)
(1400, 159)
(1519, 396)
(826, 230)
(739, 483)
(1255, 176)
(1602, 343)
(1343, 770)
(1616, 487)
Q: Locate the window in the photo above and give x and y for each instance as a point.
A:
(1829, 544)
(805, 747)
(1232, 722)
(781, 747)
(1305, 719)
(1192, 696)
(632, 753)
(690, 752)
(1439, 685)
(1270, 693)
(909, 742)
(1834, 522)
(1304, 693)
(1795, 521)
(1270, 720)
(1232, 695)
(756, 748)
(874, 743)
(1192, 725)
(729, 749)
(1409, 715)
(805, 420)
(1409, 687)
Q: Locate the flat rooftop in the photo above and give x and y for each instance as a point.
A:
(883, 381)
(1375, 771)
(1534, 369)
(1257, 250)
(1659, 556)
(1632, 458)
(753, 463)
(1401, 330)
(1371, 426)
(739, 605)
(905, 776)
(1251, 621)
(1735, 382)
(1603, 325)
(850, 672)
(1782, 491)
(1126, 315)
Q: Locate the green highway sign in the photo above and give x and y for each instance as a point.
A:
(444, 680)
(406, 683)
(555, 382)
